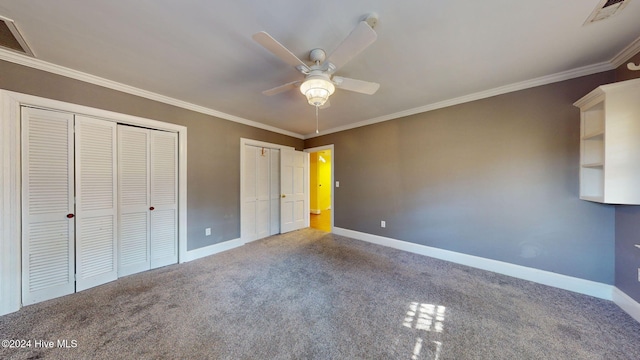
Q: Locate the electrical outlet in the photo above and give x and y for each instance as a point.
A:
(337, 184)
(383, 224)
(207, 232)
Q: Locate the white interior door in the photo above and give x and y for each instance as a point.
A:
(133, 200)
(47, 205)
(294, 188)
(96, 212)
(164, 198)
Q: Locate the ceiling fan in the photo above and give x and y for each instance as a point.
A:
(319, 82)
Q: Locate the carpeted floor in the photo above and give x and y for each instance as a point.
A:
(313, 295)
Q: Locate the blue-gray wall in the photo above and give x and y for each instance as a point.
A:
(496, 178)
(627, 255)
(628, 223)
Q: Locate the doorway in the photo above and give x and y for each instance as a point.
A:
(274, 189)
(321, 181)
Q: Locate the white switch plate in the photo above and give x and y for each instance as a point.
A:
(383, 224)
(207, 232)
(337, 183)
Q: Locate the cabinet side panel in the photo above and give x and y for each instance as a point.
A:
(622, 140)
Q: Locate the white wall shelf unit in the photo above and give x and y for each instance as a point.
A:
(610, 143)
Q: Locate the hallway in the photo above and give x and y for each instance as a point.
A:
(322, 221)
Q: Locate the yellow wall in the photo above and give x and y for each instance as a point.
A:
(313, 182)
(320, 181)
(324, 180)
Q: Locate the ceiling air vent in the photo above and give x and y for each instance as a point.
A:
(605, 9)
(11, 39)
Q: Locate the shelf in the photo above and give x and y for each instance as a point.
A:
(598, 199)
(610, 143)
(598, 135)
(593, 165)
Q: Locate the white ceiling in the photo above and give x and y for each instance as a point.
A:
(428, 52)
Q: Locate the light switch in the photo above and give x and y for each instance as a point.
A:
(337, 184)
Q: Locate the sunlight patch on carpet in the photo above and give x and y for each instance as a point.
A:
(425, 317)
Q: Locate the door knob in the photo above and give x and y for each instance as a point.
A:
(152, 208)
(284, 196)
(70, 216)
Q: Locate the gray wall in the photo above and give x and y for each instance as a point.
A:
(627, 255)
(213, 175)
(496, 178)
(628, 223)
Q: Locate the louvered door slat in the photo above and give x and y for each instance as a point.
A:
(164, 190)
(47, 198)
(96, 245)
(133, 200)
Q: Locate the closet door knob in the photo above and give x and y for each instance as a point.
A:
(151, 208)
(70, 216)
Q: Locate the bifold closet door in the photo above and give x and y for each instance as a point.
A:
(96, 212)
(163, 158)
(48, 218)
(148, 201)
(261, 192)
(274, 172)
(249, 193)
(133, 200)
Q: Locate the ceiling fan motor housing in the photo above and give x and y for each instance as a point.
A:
(317, 55)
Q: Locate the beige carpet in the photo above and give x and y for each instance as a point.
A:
(313, 295)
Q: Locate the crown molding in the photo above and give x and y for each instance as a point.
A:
(627, 53)
(616, 61)
(543, 80)
(96, 80)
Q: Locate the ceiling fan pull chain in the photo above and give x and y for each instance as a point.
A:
(317, 119)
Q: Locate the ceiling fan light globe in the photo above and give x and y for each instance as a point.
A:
(317, 90)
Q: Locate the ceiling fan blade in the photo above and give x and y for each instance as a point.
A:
(359, 39)
(282, 88)
(278, 49)
(359, 86)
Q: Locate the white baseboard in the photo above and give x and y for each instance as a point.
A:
(582, 286)
(212, 249)
(626, 303)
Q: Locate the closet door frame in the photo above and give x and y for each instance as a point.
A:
(10, 194)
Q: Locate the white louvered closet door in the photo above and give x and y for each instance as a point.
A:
(133, 200)
(96, 213)
(47, 205)
(164, 198)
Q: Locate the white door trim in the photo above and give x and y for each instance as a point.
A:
(10, 209)
(333, 180)
(243, 142)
